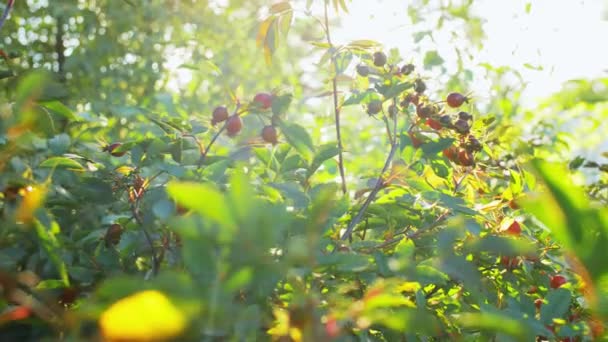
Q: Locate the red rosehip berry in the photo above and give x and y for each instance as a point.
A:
(445, 120)
(18, 313)
(473, 144)
(557, 281)
(113, 234)
(538, 303)
(425, 111)
(456, 100)
(112, 149)
(434, 124)
(269, 134)
(220, 114)
(412, 98)
(465, 158)
(465, 116)
(332, 329)
(451, 153)
(374, 107)
(514, 229)
(263, 100)
(462, 126)
(363, 70)
(419, 86)
(416, 142)
(379, 59)
(407, 69)
(234, 125)
(510, 262)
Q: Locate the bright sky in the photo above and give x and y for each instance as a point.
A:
(566, 37)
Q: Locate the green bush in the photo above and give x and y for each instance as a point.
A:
(129, 213)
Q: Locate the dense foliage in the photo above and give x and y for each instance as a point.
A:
(144, 202)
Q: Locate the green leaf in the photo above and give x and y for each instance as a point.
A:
(533, 67)
(52, 247)
(418, 36)
(285, 23)
(493, 322)
(297, 136)
(49, 284)
(432, 59)
(503, 246)
(203, 199)
(60, 109)
(324, 153)
(440, 168)
(342, 60)
(364, 44)
(460, 269)
(238, 280)
(364, 97)
(62, 163)
(576, 163)
(242, 197)
(396, 90)
(434, 147)
(280, 104)
(95, 190)
(565, 210)
(163, 209)
(558, 303)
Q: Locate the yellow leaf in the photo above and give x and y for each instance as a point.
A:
(280, 7)
(33, 198)
(144, 316)
(281, 323)
(409, 286)
(124, 170)
(263, 30)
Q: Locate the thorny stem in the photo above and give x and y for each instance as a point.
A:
(334, 83)
(379, 183)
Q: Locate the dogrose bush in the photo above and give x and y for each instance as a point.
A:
(141, 225)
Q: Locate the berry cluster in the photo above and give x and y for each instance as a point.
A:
(431, 114)
(234, 124)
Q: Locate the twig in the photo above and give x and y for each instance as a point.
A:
(334, 83)
(7, 9)
(412, 235)
(140, 222)
(196, 141)
(379, 183)
(457, 184)
(206, 151)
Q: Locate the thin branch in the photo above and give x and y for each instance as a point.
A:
(60, 48)
(414, 234)
(379, 183)
(7, 9)
(206, 151)
(334, 83)
(140, 222)
(457, 184)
